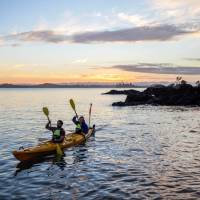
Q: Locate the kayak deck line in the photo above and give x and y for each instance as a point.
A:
(49, 147)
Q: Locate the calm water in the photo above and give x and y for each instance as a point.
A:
(138, 152)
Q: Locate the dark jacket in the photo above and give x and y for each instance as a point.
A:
(84, 126)
(56, 138)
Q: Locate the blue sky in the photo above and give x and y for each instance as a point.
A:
(86, 40)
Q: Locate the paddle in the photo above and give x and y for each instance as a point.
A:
(90, 110)
(46, 112)
(58, 149)
(71, 101)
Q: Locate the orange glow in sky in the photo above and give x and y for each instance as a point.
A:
(116, 41)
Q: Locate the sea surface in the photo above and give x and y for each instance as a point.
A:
(141, 152)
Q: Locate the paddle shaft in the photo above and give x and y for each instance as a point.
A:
(90, 110)
(76, 113)
(48, 119)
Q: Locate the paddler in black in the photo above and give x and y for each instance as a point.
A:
(58, 132)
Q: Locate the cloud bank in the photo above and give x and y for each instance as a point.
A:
(161, 68)
(159, 33)
(178, 11)
(39, 36)
(193, 59)
(144, 33)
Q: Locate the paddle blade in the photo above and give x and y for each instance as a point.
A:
(59, 150)
(45, 111)
(71, 101)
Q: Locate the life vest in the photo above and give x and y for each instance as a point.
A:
(56, 134)
(78, 127)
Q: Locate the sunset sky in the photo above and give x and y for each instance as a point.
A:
(99, 40)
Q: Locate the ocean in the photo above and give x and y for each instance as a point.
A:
(141, 152)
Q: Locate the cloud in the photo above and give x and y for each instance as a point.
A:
(73, 23)
(161, 68)
(2, 42)
(174, 4)
(178, 11)
(80, 61)
(193, 59)
(144, 33)
(67, 22)
(134, 19)
(156, 33)
(32, 36)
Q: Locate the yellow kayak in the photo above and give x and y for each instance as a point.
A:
(48, 148)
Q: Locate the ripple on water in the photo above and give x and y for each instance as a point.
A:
(141, 152)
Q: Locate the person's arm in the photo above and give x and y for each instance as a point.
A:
(49, 127)
(74, 120)
(62, 134)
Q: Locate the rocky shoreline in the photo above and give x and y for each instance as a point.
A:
(171, 95)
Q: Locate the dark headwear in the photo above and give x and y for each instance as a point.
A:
(60, 121)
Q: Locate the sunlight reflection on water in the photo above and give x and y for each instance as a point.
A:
(141, 152)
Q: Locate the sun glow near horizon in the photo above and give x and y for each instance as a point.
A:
(93, 78)
(112, 41)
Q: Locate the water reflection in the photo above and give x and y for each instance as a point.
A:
(79, 154)
(54, 160)
(141, 152)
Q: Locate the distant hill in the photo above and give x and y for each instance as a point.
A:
(52, 85)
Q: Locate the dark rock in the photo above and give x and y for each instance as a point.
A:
(172, 95)
(120, 103)
(139, 98)
(125, 92)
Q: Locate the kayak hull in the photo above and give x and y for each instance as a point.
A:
(48, 148)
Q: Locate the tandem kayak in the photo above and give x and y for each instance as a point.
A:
(48, 148)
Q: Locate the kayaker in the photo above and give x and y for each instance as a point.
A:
(58, 132)
(81, 126)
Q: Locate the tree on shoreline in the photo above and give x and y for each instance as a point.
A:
(178, 80)
(198, 83)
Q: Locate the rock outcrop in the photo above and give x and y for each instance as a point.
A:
(172, 95)
(125, 92)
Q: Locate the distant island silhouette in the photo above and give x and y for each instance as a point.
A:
(70, 85)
